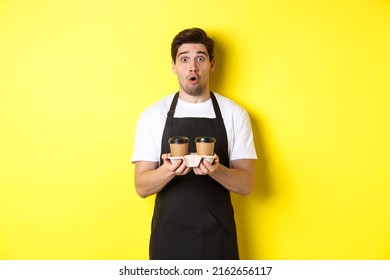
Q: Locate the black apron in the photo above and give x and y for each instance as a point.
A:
(193, 215)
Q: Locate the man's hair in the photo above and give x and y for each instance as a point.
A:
(192, 36)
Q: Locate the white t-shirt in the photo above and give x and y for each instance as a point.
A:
(150, 127)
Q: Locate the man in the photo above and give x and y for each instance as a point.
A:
(193, 216)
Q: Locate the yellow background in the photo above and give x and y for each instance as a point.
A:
(313, 75)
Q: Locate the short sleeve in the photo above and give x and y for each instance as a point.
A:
(145, 144)
(243, 146)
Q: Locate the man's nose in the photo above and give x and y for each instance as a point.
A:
(193, 67)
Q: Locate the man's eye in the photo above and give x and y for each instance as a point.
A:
(184, 59)
(200, 58)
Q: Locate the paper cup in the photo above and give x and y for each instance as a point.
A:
(205, 145)
(178, 146)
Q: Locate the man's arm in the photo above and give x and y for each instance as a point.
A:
(149, 178)
(238, 179)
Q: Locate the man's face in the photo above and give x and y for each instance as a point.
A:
(193, 67)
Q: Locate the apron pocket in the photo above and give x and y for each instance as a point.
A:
(216, 238)
(180, 236)
(195, 234)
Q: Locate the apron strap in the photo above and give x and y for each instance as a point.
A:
(171, 111)
(217, 111)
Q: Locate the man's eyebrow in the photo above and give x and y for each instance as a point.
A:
(181, 53)
(199, 52)
(202, 52)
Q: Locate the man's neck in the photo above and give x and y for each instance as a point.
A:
(204, 96)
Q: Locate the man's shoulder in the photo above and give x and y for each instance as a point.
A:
(226, 103)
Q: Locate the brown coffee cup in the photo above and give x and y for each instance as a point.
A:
(178, 146)
(205, 145)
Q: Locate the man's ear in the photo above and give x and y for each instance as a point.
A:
(173, 67)
(212, 65)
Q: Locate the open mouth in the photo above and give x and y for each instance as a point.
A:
(193, 79)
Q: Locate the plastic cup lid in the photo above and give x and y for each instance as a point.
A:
(205, 139)
(178, 140)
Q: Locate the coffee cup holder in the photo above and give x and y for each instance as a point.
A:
(193, 159)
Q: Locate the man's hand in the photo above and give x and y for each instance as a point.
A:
(178, 167)
(206, 168)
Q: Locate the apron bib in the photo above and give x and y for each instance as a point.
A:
(193, 215)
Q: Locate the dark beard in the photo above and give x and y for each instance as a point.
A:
(194, 91)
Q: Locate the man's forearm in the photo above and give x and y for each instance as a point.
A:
(150, 178)
(149, 182)
(236, 180)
